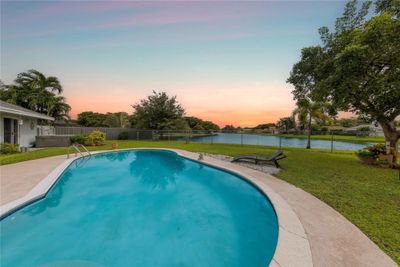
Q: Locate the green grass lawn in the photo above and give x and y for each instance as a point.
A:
(367, 196)
(367, 139)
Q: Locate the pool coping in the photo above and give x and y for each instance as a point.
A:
(293, 248)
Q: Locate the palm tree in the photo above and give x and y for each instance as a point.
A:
(35, 91)
(286, 123)
(307, 111)
(37, 80)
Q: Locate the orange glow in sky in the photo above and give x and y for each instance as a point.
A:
(238, 106)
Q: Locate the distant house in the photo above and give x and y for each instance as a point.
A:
(18, 125)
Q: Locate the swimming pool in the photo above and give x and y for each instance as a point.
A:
(143, 208)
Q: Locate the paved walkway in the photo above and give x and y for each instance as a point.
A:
(333, 239)
(16, 180)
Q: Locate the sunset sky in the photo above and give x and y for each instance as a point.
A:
(226, 61)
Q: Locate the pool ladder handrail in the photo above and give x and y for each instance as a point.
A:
(77, 150)
(83, 159)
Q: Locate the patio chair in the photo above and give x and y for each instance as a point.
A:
(278, 155)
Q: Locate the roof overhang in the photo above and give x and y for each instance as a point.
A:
(25, 113)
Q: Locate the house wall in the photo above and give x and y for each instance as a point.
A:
(26, 133)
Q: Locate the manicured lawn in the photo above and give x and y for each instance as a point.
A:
(368, 139)
(367, 196)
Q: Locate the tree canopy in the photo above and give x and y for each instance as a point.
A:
(200, 125)
(357, 66)
(34, 91)
(95, 119)
(159, 112)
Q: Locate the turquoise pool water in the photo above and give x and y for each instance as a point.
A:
(143, 208)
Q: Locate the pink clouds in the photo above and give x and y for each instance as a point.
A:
(71, 7)
(183, 13)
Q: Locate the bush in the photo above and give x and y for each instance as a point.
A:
(78, 139)
(377, 149)
(324, 129)
(95, 138)
(315, 128)
(7, 148)
(364, 129)
(337, 131)
(123, 136)
(370, 154)
(366, 156)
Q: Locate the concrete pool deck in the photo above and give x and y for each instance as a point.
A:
(315, 233)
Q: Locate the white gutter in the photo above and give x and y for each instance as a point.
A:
(26, 113)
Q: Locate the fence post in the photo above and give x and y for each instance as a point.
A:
(280, 141)
(241, 138)
(212, 138)
(331, 143)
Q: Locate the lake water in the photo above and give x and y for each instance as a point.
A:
(251, 139)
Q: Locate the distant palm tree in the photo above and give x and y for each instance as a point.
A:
(306, 111)
(285, 124)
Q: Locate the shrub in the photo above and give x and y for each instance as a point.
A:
(123, 136)
(364, 129)
(7, 148)
(377, 149)
(370, 154)
(78, 139)
(337, 131)
(315, 128)
(366, 156)
(95, 138)
(324, 129)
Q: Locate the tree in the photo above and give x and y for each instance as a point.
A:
(198, 127)
(285, 124)
(197, 124)
(228, 128)
(264, 126)
(357, 68)
(210, 126)
(159, 112)
(91, 119)
(193, 121)
(308, 111)
(117, 119)
(33, 90)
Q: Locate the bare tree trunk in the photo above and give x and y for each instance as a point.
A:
(392, 136)
(309, 132)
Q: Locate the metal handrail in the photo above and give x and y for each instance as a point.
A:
(77, 150)
(84, 148)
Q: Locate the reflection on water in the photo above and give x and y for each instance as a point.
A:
(52, 199)
(117, 156)
(161, 172)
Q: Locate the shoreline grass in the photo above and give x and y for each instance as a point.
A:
(367, 196)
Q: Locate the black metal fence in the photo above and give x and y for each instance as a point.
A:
(325, 140)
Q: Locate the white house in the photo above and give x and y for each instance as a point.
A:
(18, 125)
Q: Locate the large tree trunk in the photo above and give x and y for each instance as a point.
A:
(392, 136)
(309, 132)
